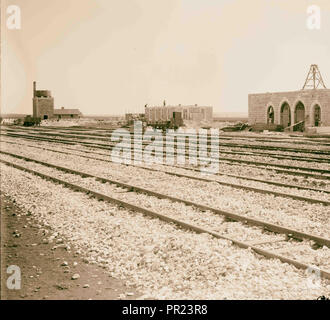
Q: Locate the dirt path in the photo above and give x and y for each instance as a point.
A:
(47, 273)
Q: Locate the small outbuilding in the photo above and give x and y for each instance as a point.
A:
(67, 113)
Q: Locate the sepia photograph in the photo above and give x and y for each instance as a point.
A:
(170, 151)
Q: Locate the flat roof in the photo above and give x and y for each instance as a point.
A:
(66, 111)
(305, 91)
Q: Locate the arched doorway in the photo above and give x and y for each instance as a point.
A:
(270, 115)
(285, 115)
(317, 116)
(299, 117)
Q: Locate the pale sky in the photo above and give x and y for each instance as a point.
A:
(114, 56)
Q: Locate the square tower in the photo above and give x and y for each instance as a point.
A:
(43, 103)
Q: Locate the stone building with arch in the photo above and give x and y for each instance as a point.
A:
(294, 110)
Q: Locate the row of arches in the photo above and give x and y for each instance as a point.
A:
(299, 115)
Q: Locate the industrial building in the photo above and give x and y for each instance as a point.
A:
(293, 110)
(168, 113)
(43, 103)
(43, 107)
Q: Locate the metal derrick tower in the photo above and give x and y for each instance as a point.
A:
(314, 79)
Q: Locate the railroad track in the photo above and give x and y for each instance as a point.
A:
(234, 145)
(265, 154)
(205, 179)
(293, 170)
(286, 185)
(241, 153)
(103, 138)
(107, 132)
(255, 245)
(95, 135)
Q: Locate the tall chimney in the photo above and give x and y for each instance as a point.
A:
(34, 89)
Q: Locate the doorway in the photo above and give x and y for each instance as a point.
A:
(299, 116)
(270, 115)
(317, 116)
(285, 115)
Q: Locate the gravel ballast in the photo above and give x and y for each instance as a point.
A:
(160, 259)
(188, 214)
(300, 215)
(242, 170)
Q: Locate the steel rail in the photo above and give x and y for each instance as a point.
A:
(182, 224)
(237, 145)
(227, 184)
(107, 132)
(264, 154)
(233, 216)
(103, 148)
(249, 163)
(280, 184)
